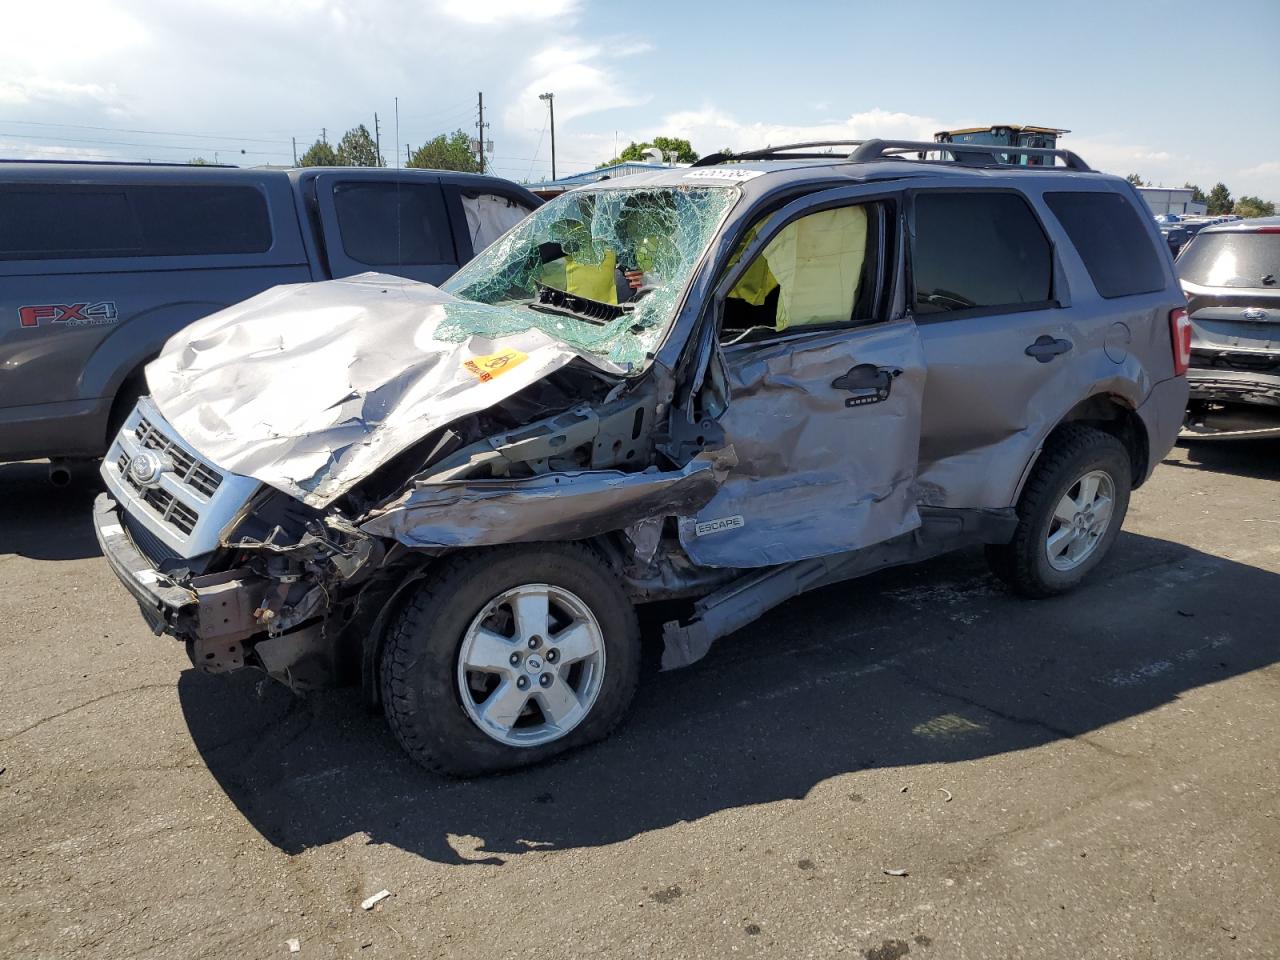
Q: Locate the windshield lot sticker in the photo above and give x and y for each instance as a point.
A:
(69, 314)
(719, 173)
(718, 526)
(493, 364)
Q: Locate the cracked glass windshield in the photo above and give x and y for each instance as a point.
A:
(601, 269)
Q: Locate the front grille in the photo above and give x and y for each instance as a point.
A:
(188, 503)
(152, 547)
(187, 468)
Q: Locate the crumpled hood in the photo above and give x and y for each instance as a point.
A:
(310, 387)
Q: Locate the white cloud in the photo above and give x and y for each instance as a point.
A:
(582, 76)
(711, 129)
(1267, 167)
(44, 91)
(506, 11)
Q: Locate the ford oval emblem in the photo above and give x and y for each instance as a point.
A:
(1254, 313)
(146, 468)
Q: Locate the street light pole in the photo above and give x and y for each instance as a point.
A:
(551, 105)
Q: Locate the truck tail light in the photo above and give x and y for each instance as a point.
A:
(1180, 332)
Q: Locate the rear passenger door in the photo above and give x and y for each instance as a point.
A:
(373, 222)
(1000, 341)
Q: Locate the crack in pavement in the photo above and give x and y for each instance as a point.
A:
(80, 706)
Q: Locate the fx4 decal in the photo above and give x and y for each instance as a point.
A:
(71, 314)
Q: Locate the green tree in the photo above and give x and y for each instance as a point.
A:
(446, 152)
(198, 162)
(357, 149)
(1136, 180)
(683, 151)
(1248, 206)
(1220, 201)
(1196, 193)
(319, 154)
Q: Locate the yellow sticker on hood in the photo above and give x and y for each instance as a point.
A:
(491, 365)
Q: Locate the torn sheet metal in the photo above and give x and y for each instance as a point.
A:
(558, 506)
(827, 432)
(311, 387)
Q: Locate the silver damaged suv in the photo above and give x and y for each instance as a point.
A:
(717, 387)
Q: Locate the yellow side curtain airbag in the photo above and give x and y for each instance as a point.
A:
(818, 264)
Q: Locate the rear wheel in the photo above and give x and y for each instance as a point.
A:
(1069, 514)
(507, 657)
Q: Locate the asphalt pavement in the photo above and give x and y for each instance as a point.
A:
(913, 764)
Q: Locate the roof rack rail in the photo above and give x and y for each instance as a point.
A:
(965, 153)
(970, 154)
(711, 159)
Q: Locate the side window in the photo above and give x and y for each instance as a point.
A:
(1111, 240)
(64, 221)
(973, 250)
(820, 270)
(385, 224)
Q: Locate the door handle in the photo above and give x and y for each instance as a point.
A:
(868, 383)
(1046, 348)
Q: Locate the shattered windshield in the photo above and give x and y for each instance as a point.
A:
(602, 270)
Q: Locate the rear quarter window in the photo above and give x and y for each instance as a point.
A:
(1111, 239)
(393, 223)
(978, 250)
(74, 221)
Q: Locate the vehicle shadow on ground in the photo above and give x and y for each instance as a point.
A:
(44, 522)
(1243, 458)
(933, 664)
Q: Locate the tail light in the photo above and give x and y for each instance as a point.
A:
(1180, 333)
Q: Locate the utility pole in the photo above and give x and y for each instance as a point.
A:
(324, 138)
(295, 150)
(408, 157)
(551, 105)
(377, 141)
(397, 152)
(480, 125)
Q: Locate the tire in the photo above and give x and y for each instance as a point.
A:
(438, 709)
(1074, 454)
(134, 386)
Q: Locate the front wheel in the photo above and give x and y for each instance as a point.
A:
(1069, 514)
(509, 656)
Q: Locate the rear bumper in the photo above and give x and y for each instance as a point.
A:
(1162, 414)
(1234, 386)
(161, 600)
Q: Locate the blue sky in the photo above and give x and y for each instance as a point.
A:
(1173, 91)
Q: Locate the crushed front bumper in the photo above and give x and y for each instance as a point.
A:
(217, 616)
(160, 599)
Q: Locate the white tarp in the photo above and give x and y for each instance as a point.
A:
(489, 217)
(310, 387)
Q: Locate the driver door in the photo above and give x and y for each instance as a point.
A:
(821, 384)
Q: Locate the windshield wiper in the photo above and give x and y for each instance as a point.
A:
(563, 303)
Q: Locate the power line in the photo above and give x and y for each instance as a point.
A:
(150, 146)
(535, 151)
(158, 133)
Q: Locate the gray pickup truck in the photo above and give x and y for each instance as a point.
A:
(100, 264)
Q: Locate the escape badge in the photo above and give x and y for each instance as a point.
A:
(491, 365)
